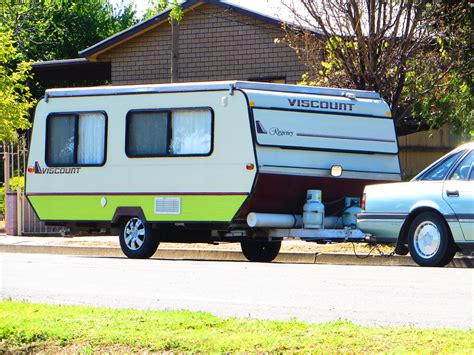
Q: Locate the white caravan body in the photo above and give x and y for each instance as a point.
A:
(202, 153)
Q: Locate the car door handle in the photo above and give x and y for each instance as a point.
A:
(452, 193)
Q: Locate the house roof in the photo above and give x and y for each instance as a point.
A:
(71, 69)
(92, 52)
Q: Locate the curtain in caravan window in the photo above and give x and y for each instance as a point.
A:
(147, 134)
(191, 132)
(60, 140)
(91, 145)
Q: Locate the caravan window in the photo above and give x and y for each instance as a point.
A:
(75, 139)
(169, 133)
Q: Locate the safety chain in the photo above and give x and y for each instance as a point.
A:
(374, 247)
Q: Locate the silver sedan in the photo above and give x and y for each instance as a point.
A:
(433, 214)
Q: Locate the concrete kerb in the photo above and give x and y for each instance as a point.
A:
(230, 255)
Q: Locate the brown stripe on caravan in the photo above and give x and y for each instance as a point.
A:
(345, 137)
(275, 193)
(137, 193)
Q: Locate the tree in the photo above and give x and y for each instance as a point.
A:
(157, 6)
(411, 51)
(15, 96)
(45, 30)
(59, 29)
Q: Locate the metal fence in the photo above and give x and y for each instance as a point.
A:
(20, 218)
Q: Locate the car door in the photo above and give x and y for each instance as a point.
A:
(458, 192)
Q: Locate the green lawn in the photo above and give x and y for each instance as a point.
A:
(38, 327)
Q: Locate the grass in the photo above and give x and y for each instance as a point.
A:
(37, 327)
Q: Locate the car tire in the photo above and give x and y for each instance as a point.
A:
(430, 241)
(260, 251)
(136, 239)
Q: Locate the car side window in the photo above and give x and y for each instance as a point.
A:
(440, 170)
(464, 170)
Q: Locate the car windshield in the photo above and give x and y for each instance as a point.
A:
(441, 169)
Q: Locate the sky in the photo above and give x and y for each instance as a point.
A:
(268, 7)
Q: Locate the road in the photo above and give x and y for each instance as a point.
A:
(366, 295)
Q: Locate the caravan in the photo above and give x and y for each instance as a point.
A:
(212, 161)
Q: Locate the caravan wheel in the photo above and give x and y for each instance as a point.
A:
(136, 239)
(260, 251)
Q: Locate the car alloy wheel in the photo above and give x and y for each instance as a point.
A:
(430, 241)
(427, 239)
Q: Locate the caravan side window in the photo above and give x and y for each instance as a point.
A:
(75, 139)
(183, 132)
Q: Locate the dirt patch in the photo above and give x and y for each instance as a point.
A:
(79, 348)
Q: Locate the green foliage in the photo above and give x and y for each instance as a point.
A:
(44, 30)
(16, 184)
(158, 6)
(423, 68)
(58, 29)
(451, 102)
(15, 96)
(27, 327)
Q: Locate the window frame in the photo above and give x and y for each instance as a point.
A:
(169, 112)
(429, 169)
(470, 174)
(76, 137)
(276, 79)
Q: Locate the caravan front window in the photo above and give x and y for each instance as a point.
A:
(181, 132)
(75, 139)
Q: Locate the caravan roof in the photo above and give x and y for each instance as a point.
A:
(208, 86)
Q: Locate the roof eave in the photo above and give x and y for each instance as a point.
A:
(94, 51)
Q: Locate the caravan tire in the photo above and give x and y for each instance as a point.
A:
(260, 251)
(136, 239)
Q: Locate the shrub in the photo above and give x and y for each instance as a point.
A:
(16, 183)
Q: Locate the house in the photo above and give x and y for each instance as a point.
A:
(216, 40)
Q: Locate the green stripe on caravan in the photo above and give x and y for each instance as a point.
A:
(193, 208)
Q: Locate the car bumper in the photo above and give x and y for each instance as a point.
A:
(384, 227)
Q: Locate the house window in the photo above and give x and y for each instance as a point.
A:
(270, 79)
(75, 139)
(154, 133)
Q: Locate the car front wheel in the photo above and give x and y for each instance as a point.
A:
(136, 239)
(429, 240)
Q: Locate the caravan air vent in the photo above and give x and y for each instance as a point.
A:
(168, 205)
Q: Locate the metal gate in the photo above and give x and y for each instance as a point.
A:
(20, 218)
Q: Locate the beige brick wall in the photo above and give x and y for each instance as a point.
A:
(214, 45)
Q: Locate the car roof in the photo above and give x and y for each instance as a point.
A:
(468, 145)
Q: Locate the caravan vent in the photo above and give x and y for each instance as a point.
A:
(168, 205)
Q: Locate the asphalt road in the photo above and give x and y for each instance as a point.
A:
(370, 295)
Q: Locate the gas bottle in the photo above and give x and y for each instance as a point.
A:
(313, 210)
(349, 216)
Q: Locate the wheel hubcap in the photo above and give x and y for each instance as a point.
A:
(427, 239)
(134, 233)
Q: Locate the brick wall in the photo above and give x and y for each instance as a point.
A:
(214, 45)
